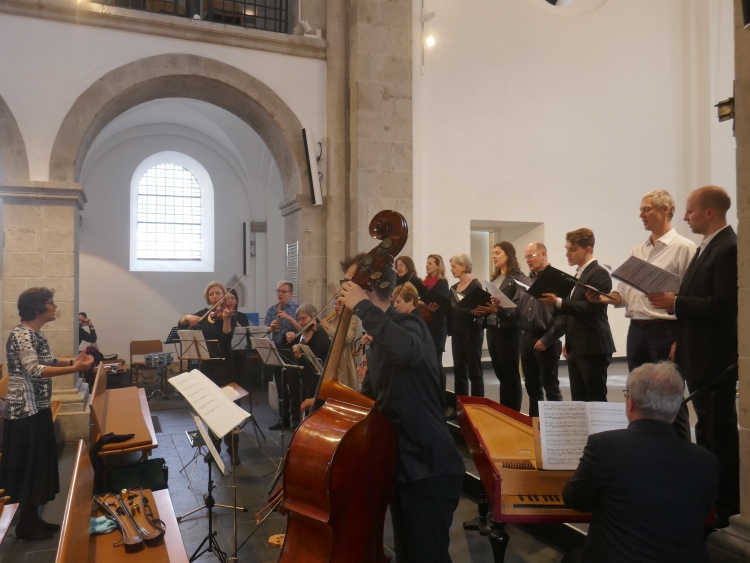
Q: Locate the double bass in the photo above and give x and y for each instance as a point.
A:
(340, 468)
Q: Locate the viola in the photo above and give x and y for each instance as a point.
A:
(218, 313)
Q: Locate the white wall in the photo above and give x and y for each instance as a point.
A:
(527, 115)
(53, 63)
(128, 306)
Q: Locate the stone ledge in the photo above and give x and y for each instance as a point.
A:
(65, 191)
(732, 544)
(163, 25)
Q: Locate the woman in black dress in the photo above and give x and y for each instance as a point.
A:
(217, 331)
(434, 317)
(405, 270)
(29, 472)
(503, 332)
(466, 333)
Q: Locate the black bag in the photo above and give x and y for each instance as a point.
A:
(151, 474)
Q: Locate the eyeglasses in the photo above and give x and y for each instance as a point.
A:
(626, 392)
(530, 256)
(283, 291)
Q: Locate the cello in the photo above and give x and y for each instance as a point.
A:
(340, 468)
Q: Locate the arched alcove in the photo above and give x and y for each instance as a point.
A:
(181, 76)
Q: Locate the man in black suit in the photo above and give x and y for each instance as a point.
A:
(650, 491)
(706, 311)
(588, 338)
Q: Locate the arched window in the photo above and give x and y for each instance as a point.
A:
(171, 215)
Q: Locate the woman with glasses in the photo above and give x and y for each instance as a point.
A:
(29, 469)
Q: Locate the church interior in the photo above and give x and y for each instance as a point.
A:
(295, 122)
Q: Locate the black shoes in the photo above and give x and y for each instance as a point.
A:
(279, 426)
(48, 526)
(33, 534)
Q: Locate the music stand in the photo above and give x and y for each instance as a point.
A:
(174, 338)
(269, 355)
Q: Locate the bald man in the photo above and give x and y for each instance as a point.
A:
(706, 311)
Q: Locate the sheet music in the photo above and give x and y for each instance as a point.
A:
(210, 444)
(210, 402)
(646, 277)
(565, 426)
(563, 433)
(230, 392)
(493, 290)
(606, 416)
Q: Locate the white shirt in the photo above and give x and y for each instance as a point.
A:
(672, 253)
(579, 273)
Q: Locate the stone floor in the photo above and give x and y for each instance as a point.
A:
(253, 478)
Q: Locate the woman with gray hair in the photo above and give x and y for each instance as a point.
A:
(29, 473)
(466, 332)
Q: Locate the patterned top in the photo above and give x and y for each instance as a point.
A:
(279, 338)
(27, 352)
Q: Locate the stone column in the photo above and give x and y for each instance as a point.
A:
(40, 227)
(380, 114)
(732, 544)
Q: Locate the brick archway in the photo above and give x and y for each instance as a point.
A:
(14, 163)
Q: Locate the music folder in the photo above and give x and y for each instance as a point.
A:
(552, 280)
(428, 296)
(474, 299)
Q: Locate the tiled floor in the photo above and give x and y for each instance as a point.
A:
(253, 478)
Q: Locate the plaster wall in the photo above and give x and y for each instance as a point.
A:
(128, 306)
(40, 95)
(527, 115)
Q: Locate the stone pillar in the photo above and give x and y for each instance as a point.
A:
(380, 114)
(40, 227)
(732, 545)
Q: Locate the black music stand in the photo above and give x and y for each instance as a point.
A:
(270, 356)
(174, 338)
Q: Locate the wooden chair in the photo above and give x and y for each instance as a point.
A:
(140, 348)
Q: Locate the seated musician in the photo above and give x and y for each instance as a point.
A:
(406, 299)
(304, 384)
(403, 379)
(650, 491)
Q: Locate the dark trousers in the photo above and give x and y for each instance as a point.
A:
(649, 343)
(467, 363)
(439, 332)
(283, 392)
(588, 377)
(540, 371)
(716, 430)
(422, 513)
(504, 344)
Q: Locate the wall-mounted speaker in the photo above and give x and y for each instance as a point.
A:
(312, 166)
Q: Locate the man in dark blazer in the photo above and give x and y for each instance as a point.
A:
(649, 491)
(588, 338)
(706, 311)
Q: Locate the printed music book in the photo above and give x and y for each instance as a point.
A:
(494, 291)
(476, 297)
(210, 402)
(564, 428)
(646, 278)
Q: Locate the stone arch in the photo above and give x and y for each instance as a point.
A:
(181, 76)
(14, 163)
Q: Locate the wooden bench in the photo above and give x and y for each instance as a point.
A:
(77, 546)
(121, 411)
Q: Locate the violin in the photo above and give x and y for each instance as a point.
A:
(305, 338)
(218, 313)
